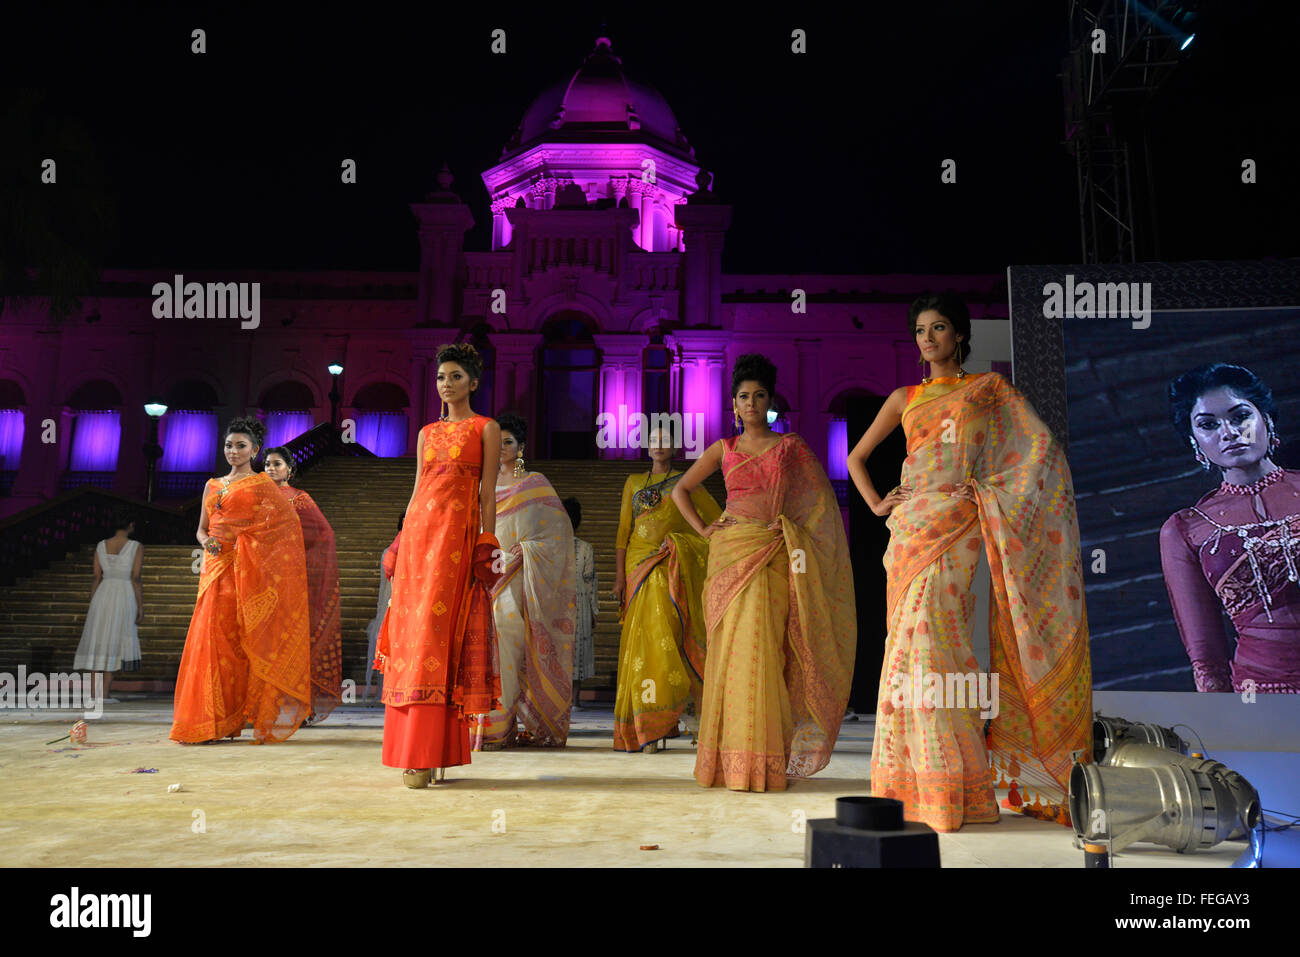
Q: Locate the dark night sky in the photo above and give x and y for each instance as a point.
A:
(831, 159)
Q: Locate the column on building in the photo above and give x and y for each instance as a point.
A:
(620, 391)
(444, 220)
(516, 378)
(705, 381)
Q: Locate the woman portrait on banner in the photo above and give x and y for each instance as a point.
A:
(1237, 550)
(437, 649)
(322, 588)
(534, 604)
(778, 601)
(247, 652)
(659, 580)
(982, 472)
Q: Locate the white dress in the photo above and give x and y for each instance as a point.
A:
(584, 652)
(109, 640)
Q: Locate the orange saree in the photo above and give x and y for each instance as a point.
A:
(781, 624)
(930, 749)
(437, 647)
(246, 652)
(323, 605)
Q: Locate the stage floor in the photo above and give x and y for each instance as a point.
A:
(323, 799)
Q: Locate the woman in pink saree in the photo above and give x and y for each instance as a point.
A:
(778, 602)
(534, 605)
(322, 589)
(982, 471)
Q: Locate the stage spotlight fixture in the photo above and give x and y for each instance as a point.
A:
(1149, 794)
(1107, 732)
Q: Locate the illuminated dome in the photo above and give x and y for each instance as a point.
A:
(600, 104)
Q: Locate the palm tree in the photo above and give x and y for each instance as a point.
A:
(53, 236)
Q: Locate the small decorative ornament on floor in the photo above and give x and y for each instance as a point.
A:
(77, 734)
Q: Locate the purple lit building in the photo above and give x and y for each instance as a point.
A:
(603, 292)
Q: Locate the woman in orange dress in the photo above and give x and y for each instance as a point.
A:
(437, 647)
(246, 653)
(982, 471)
(778, 601)
(322, 589)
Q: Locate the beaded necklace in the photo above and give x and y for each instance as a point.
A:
(1287, 543)
(1254, 488)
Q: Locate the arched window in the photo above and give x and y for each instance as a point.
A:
(382, 418)
(96, 435)
(13, 420)
(289, 411)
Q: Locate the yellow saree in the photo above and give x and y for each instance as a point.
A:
(781, 623)
(930, 749)
(661, 650)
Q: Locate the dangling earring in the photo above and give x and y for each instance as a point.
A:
(1273, 441)
(519, 464)
(737, 417)
(442, 414)
(1200, 455)
(961, 373)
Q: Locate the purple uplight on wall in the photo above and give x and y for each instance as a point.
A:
(189, 441)
(95, 440)
(838, 451)
(11, 439)
(282, 427)
(383, 433)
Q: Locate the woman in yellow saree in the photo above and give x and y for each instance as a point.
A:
(982, 470)
(661, 564)
(778, 602)
(533, 605)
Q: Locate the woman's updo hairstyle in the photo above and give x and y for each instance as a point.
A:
(249, 426)
(952, 309)
(284, 453)
(464, 355)
(1190, 386)
(757, 368)
(514, 424)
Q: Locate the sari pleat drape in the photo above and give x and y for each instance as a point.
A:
(780, 620)
(933, 754)
(323, 603)
(246, 657)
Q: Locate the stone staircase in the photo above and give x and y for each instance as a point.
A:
(41, 616)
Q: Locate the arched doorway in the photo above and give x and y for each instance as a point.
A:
(96, 435)
(568, 380)
(190, 440)
(13, 425)
(288, 409)
(382, 419)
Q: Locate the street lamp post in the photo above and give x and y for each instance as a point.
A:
(335, 370)
(152, 450)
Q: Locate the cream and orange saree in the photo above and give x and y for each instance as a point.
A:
(931, 752)
(533, 605)
(781, 623)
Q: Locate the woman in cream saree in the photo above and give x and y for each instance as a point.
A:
(533, 605)
(982, 471)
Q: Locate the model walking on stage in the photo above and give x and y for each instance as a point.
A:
(322, 588)
(247, 651)
(534, 604)
(1238, 548)
(982, 470)
(778, 601)
(661, 563)
(110, 638)
(436, 647)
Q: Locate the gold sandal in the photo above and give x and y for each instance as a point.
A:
(416, 779)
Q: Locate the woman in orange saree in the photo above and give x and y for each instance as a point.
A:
(534, 605)
(778, 602)
(246, 652)
(982, 470)
(322, 589)
(437, 647)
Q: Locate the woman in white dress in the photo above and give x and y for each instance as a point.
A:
(584, 624)
(109, 640)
